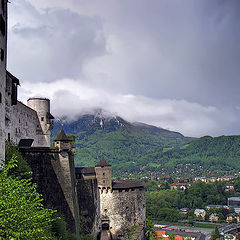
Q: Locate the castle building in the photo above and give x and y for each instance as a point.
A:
(17, 120)
(122, 203)
(109, 207)
(32, 121)
(3, 60)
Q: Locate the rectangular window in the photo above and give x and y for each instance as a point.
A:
(2, 25)
(2, 54)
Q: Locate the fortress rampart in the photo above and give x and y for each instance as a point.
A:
(53, 171)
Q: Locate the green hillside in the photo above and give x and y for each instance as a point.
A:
(123, 144)
(141, 148)
(206, 155)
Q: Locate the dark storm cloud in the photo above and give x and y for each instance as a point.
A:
(55, 44)
(180, 55)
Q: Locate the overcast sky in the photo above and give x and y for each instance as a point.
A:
(171, 63)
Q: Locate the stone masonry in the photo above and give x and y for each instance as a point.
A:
(3, 55)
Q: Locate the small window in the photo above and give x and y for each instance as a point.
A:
(2, 54)
(2, 25)
(9, 137)
(3, 6)
(105, 210)
(103, 174)
(42, 118)
(16, 130)
(0, 97)
(19, 121)
(103, 181)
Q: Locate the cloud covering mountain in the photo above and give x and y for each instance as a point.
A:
(174, 64)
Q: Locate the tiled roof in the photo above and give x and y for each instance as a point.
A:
(62, 137)
(85, 170)
(102, 163)
(14, 79)
(127, 184)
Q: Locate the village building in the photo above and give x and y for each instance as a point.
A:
(180, 186)
(200, 213)
(213, 217)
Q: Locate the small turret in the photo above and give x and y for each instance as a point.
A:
(62, 142)
(42, 107)
(104, 174)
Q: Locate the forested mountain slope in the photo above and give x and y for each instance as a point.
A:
(211, 153)
(138, 147)
(123, 144)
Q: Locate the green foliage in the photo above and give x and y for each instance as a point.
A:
(163, 205)
(215, 234)
(132, 148)
(150, 229)
(128, 147)
(219, 154)
(201, 194)
(59, 230)
(22, 169)
(237, 184)
(22, 214)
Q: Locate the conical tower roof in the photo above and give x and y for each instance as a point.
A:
(62, 137)
(102, 163)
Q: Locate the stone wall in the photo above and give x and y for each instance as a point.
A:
(89, 206)
(104, 176)
(122, 209)
(3, 56)
(54, 174)
(42, 107)
(22, 123)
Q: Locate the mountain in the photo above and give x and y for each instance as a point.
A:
(122, 143)
(206, 155)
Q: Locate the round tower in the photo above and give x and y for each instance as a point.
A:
(42, 107)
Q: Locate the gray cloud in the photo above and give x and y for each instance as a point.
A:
(54, 44)
(180, 53)
(71, 98)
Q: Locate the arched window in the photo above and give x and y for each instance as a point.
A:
(0, 97)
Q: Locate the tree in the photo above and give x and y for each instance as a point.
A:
(22, 169)
(22, 214)
(215, 234)
(151, 232)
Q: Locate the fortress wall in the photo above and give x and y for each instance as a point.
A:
(22, 122)
(3, 56)
(53, 174)
(89, 205)
(123, 209)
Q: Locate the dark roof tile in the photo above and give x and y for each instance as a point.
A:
(62, 137)
(102, 163)
(85, 170)
(127, 184)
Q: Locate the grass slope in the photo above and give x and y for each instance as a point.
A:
(123, 144)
